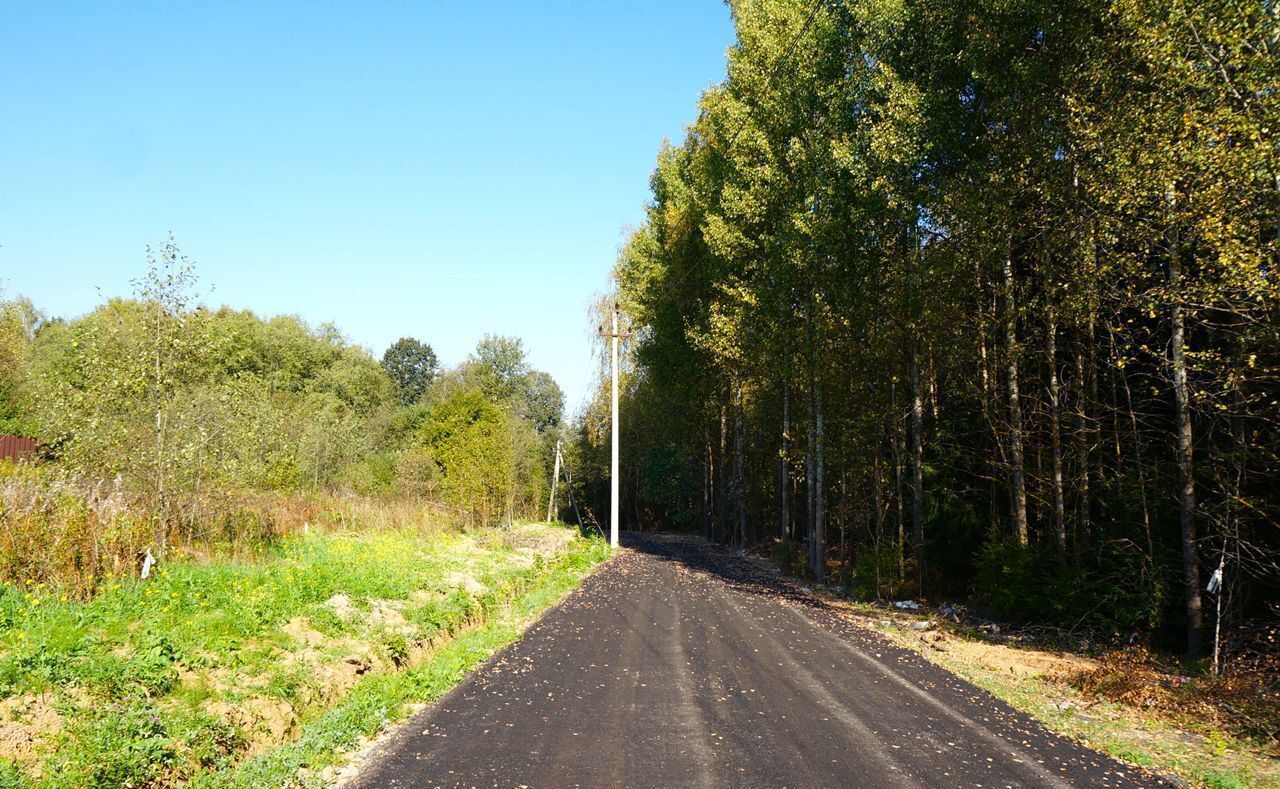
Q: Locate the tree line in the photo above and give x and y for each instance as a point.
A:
(175, 409)
(958, 298)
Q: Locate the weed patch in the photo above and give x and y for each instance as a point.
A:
(209, 665)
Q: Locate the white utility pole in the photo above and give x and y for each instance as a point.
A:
(555, 477)
(614, 335)
(613, 473)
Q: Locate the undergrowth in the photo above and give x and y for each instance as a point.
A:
(79, 534)
(209, 663)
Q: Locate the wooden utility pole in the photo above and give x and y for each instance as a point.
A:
(573, 501)
(555, 477)
(615, 336)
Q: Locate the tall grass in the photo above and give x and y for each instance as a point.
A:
(74, 533)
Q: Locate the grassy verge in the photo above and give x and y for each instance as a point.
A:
(383, 699)
(240, 673)
(1040, 683)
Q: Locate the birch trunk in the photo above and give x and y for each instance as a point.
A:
(819, 483)
(784, 455)
(708, 488)
(1186, 469)
(1084, 519)
(721, 512)
(1055, 429)
(809, 456)
(1017, 472)
(877, 500)
(1137, 453)
(917, 470)
(739, 483)
(899, 494)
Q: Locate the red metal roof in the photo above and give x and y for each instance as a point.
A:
(17, 448)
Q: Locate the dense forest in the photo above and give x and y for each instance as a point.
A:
(163, 424)
(975, 300)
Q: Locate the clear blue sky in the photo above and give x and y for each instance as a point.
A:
(432, 169)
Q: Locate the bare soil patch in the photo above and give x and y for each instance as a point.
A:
(27, 722)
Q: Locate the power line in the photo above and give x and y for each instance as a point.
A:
(777, 66)
(581, 414)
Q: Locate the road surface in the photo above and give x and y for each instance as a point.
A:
(678, 664)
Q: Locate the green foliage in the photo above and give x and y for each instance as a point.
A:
(179, 408)
(1113, 593)
(477, 446)
(541, 402)
(411, 365)
(126, 743)
(498, 367)
(138, 743)
(19, 321)
(1223, 779)
(396, 646)
(977, 208)
(11, 776)
(242, 402)
(875, 571)
(150, 661)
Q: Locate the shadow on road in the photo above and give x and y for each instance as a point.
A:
(737, 570)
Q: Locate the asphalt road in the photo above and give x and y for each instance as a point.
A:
(678, 664)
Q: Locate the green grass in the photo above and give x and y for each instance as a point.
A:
(382, 698)
(144, 676)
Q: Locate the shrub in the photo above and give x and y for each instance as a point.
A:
(1113, 593)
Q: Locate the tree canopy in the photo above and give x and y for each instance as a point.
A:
(961, 298)
(411, 365)
(179, 404)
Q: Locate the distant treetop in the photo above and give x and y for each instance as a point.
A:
(411, 365)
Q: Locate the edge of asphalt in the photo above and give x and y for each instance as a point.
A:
(824, 600)
(370, 754)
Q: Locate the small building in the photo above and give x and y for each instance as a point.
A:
(17, 448)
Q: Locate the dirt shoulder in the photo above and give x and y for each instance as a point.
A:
(1147, 728)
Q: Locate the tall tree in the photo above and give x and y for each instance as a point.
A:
(411, 366)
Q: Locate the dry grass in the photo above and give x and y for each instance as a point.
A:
(57, 532)
(74, 534)
(1244, 700)
(1212, 731)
